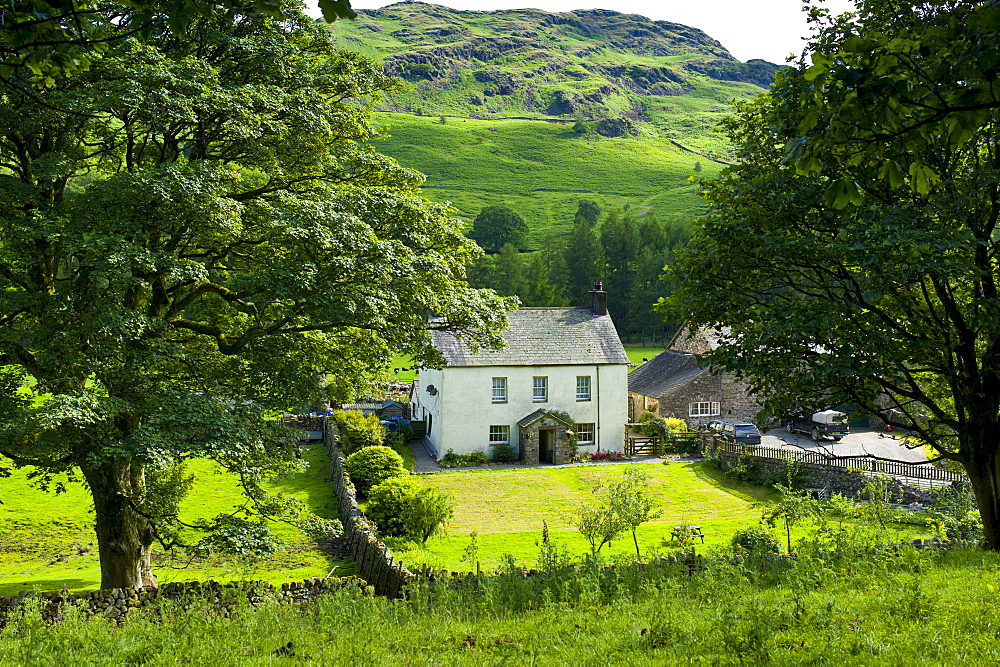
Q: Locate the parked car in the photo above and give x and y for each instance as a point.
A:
(736, 431)
(826, 424)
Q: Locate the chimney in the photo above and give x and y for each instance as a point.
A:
(599, 299)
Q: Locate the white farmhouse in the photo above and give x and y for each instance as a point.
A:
(563, 377)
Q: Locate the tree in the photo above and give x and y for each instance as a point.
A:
(371, 466)
(904, 74)
(632, 502)
(792, 508)
(598, 522)
(196, 232)
(848, 280)
(428, 514)
(41, 39)
(496, 226)
(508, 271)
(620, 241)
(589, 211)
(618, 507)
(584, 261)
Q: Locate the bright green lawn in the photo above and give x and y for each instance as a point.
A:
(37, 529)
(637, 354)
(507, 508)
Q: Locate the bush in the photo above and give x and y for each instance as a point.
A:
(755, 541)
(386, 503)
(400, 507)
(373, 465)
(453, 460)
(504, 454)
(358, 430)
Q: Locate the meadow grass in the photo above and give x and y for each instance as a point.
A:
(897, 607)
(47, 539)
(534, 167)
(637, 354)
(507, 509)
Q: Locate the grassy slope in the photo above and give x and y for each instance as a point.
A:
(37, 528)
(904, 611)
(475, 163)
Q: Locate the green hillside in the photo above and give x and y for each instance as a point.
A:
(542, 109)
(543, 169)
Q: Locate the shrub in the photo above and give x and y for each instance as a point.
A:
(358, 430)
(755, 541)
(371, 466)
(428, 514)
(400, 507)
(504, 454)
(453, 460)
(387, 503)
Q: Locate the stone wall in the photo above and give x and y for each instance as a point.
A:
(375, 562)
(733, 396)
(833, 480)
(119, 602)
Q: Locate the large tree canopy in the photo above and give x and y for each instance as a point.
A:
(193, 232)
(868, 276)
(498, 225)
(42, 39)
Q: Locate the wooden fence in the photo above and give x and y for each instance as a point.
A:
(865, 464)
(375, 562)
(639, 443)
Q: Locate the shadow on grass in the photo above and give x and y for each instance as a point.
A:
(45, 585)
(308, 485)
(711, 475)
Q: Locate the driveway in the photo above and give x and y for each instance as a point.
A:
(858, 442)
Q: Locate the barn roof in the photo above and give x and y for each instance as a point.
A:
(543, 337)
(664, 373)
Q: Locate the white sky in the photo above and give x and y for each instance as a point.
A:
(768, 29)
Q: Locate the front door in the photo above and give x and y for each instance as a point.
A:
(545, 445)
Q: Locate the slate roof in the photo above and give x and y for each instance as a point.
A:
(543, 337)
(537, 415)
(664, 373)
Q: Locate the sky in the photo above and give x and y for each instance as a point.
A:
(767, 29)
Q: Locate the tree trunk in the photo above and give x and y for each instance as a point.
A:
(984, 474)
(124, 537)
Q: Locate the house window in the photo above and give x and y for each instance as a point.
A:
(500, 434)
(539, 389)
(583, 387)
(584, 434)
(499, 390)
(703, 409)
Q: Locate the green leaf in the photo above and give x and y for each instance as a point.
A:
(336, 9)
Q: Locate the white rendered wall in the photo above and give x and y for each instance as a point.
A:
(463, 409)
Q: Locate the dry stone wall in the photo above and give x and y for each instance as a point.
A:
(117, 603)
(375, 562)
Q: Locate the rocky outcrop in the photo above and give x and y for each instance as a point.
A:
(559, 64)
(616, 127)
